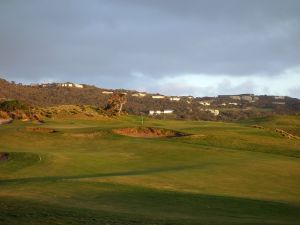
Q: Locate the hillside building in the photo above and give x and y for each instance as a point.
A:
(247, 98)
(174, 99)
(107, 92)
(68, 84)
(216, 112)
(159, 112)
(158, 96)
(205, 103)
(168, 111)
(139, 94)
(78, 85)
(278, 103)
(279, 97)
(235, 97)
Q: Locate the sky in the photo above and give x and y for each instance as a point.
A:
(173, 47)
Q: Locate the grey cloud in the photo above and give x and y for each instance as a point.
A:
(107, 41)
(224, 86)
(295, 92)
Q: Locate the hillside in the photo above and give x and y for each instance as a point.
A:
(231, 107)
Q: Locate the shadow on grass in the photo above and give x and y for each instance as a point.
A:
(99, 175)
(136, 205)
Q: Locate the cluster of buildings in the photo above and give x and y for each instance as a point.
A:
(160, 112)
(242, 97)
(279, 100)
(70, 85)
(67, 84)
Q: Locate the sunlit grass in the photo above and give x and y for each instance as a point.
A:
(225, 173)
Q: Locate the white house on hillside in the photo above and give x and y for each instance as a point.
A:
(138, 94)
(174, 99)
(158, 96)
(248, 98)
(68, 84)
(235, 97)
(214, 111)
(78, 85)
(107, 92)
(278, 103)
(279, 97)
(158, 112)
(206, 103)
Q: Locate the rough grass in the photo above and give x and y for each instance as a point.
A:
(225, 173)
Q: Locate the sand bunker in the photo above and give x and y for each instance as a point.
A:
(148, 132)
(87, 135)
(5, 121)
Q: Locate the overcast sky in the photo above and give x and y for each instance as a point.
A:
(175, 47)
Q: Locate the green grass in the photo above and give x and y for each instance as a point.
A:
(225, 173)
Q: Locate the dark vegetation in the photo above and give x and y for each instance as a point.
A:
(12, 105)
(115, 104)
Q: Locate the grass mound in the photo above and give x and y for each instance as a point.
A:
(71, 111)
(148, 132)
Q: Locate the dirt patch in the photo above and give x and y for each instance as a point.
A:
(3, 156)
(148, 132)
(41, 129)
(5, 121)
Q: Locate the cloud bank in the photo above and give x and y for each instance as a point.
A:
(175, 47)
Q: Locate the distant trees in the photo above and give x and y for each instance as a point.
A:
(115, 104)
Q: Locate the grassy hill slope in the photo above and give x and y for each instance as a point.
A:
(84, 173)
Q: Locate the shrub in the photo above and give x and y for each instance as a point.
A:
(12, 105)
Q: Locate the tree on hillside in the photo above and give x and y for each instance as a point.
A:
(115, 104)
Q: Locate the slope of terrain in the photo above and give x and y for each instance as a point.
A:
(85, 173)
(222, 108)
